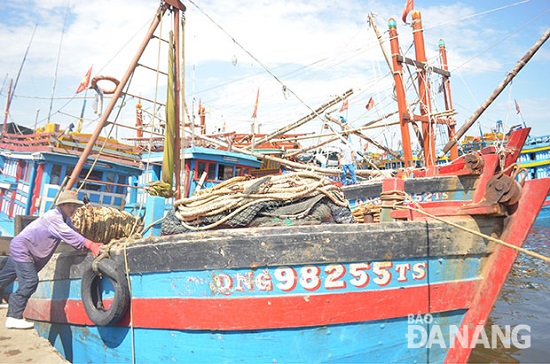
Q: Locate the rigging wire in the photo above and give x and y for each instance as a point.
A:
(500, 41)
(477, 14)
(58, 57)
(285, 87)
(21, 66)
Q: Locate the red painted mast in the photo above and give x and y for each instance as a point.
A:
(400, 92)
(424, 91)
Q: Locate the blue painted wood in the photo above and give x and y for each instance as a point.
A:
(154, 211)
(381, 341)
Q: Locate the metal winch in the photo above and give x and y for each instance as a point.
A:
(505, 189)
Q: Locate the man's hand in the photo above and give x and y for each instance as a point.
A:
(93, 247)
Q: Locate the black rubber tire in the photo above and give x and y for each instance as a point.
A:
(92, 299)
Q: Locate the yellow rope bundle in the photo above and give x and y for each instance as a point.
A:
(103, 224)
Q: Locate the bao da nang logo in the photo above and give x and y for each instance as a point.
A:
(424, 332)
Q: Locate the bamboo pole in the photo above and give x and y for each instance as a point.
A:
(509, 77)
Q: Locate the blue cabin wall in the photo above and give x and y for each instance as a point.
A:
(20, 177)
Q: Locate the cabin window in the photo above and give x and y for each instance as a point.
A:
(122, 182)
(110, 179)
(242, 171)
(225, 172)
(209, 168)
(211, 171)
(91, 182)
(93, 176)
(24, 171)
(201, 169)
(55, 175)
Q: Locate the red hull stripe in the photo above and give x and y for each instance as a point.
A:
(255, 313)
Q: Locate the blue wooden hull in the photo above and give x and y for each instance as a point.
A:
(368, 342)
(343, 300)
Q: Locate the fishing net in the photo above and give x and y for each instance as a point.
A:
(301, 198)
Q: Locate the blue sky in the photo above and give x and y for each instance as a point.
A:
(316, 49)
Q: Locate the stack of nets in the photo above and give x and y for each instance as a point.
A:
(301, 198)
(103, 224)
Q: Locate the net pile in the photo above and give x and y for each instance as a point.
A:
(301, 198)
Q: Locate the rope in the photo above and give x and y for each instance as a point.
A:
(490, 238)
(237, 194)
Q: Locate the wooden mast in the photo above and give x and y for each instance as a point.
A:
(7, 110)
(451, 123)
(176, 4)
(177, 104)
(509, 77)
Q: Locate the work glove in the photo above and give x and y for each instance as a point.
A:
(93, 247)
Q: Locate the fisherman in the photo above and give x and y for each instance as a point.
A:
(31, 250)
(346, 161)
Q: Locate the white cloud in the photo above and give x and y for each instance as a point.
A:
(317, 49)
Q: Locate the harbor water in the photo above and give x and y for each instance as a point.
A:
(524, 300)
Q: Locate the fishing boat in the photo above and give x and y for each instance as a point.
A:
(292, 291)
(535, 156)
(35, 163)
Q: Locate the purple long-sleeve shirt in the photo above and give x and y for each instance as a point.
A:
(38, 241)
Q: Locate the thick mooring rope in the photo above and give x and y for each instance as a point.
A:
(237, 194)
(490, 238)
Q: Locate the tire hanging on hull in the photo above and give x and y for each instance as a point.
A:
(92, 297)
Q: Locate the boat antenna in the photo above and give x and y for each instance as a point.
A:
(509, 77)
(12, 89)
(58, 57)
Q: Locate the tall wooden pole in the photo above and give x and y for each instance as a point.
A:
(114, 99)
(401, 97)
(177, 103)
(424, 92)
(509, 77)
(447, 97)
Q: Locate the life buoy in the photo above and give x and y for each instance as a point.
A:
(93, 299)
(96, 79)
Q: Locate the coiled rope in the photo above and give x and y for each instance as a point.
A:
(240, 193)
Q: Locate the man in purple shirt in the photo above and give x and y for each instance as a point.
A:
(31, 250)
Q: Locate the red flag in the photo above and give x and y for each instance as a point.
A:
(85, 81)
(517, 106)
(409, 5)
(255, 113)
(370, 104)
(200, 107)
(344, 106)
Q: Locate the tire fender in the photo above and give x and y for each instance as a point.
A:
(91, 293)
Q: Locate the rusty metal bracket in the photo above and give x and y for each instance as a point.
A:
(474, 162)
(505, 189)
